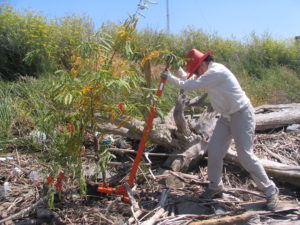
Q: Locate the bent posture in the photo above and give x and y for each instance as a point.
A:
(237, 121)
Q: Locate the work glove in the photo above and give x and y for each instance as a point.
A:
(165, 74)
(182, 73)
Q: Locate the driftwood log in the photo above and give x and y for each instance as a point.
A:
(277, 116)
(187, 136)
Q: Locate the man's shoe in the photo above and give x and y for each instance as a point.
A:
(212, 193)
(273, 200)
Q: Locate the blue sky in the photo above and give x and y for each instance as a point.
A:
(227, 18)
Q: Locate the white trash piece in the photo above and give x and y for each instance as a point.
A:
(97, 133)
(39, 136)
(6, 188)
(17, 170)
(293, 127)
(8, 158)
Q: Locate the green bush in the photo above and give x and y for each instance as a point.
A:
(30, 44)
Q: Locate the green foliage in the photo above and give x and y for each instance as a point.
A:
(278, 85)
(31, 45)
(21, 36)
(261, 53)
(6, 113)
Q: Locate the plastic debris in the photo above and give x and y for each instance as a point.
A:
(36, 176)
(97, 133)
(6, 188)
(108, 140)
(39, 136)
(8, 158)
(17, 170)
(293, 127)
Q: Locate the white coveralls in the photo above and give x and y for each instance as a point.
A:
(237, 122)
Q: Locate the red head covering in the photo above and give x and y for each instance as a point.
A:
(195, 59)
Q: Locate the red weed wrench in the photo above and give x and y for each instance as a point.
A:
(121, 190)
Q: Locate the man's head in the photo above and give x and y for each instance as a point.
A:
(204, 66)
(198, 62)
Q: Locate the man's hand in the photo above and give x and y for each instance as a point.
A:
(165, 74)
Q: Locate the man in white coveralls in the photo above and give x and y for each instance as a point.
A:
(236, 122)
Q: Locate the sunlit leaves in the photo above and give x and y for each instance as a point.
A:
(152, 55)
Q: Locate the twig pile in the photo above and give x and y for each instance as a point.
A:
(280, 147)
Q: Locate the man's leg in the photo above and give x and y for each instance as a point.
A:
(217, 148)
(242, 128)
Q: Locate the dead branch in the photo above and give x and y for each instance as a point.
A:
(104, 218)
(283, 172)
(23, 212)
(148, 153)
(244, 191)
(159, 210)
(133, 202)
(226, 220)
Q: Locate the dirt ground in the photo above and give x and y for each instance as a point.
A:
(23, 187)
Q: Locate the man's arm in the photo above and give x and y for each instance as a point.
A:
(207, 80)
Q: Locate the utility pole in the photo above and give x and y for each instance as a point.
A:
(168, 17)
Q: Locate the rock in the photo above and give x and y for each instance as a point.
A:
(92, 169)
(121, 143)
(44, 214)
(174, 182)
(188, 207)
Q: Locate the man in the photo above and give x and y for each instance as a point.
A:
(236, 122)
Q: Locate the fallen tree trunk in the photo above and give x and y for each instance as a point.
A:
(282, 172)
(276, 116)
(187, 136)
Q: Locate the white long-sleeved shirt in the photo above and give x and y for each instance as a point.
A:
(223, 89)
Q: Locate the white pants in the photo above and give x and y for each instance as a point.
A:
(241, 127)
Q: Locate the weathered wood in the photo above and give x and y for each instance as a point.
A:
(282, 172)
(133, 201)
(159, 210)
(182, 125)
(148, 153)
(23, 212)
(276, 116)
(191, 139)
(269, 116)
(226, 220)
